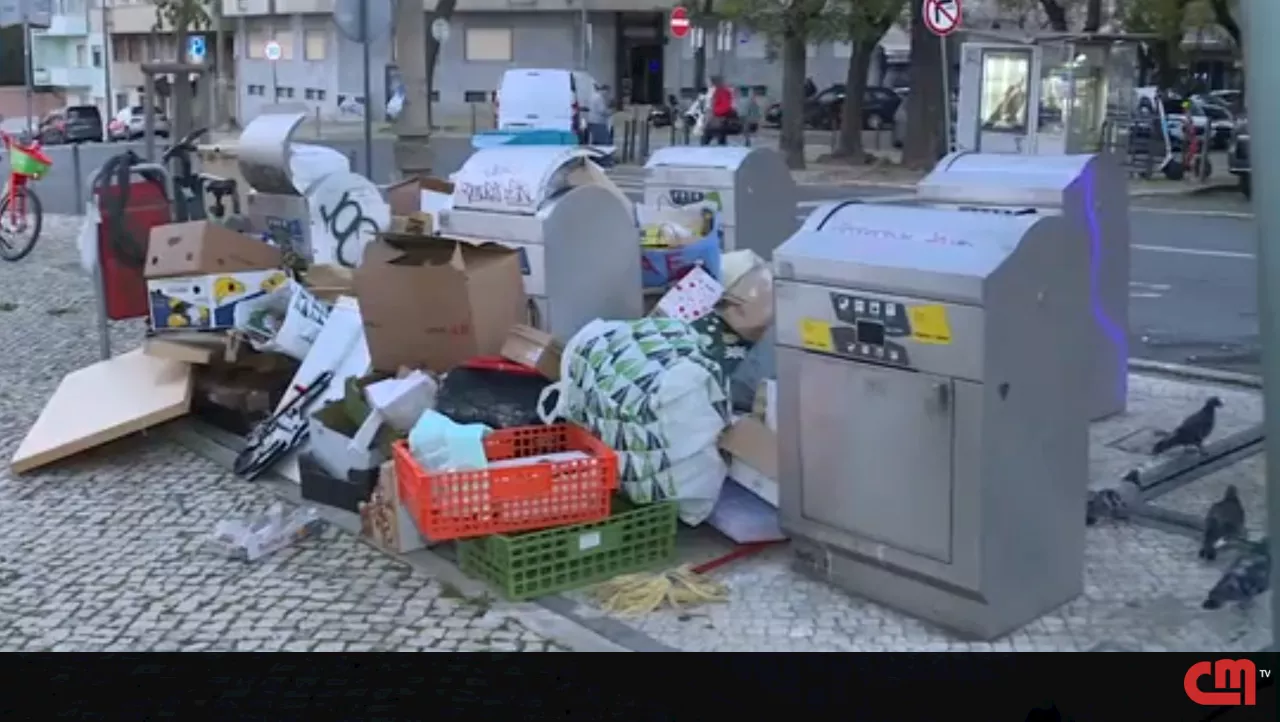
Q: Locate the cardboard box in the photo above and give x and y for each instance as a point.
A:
(418, 194)
(330, 443)
(747, 305)
(201, 247)
(431, 303)
(384, 519)
(753, 457)
(206, 302)
(537, 349)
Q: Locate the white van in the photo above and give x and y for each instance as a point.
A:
(544, 99)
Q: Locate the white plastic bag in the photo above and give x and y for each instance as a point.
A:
(647, 390)
(439, 443)
(255, 537)
(87, 241)
(285, 321)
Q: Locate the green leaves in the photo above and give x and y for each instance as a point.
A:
(816, 20)
(182, 15)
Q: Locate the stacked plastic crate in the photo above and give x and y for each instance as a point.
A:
(543, 517)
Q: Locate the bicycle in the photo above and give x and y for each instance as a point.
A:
(26, 163)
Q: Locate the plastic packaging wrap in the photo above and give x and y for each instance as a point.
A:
(497, 399)
(253, 538)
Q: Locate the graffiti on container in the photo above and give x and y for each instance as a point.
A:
(498, 188)
(344, 221)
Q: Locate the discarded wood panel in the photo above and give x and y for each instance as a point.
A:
(104, 402)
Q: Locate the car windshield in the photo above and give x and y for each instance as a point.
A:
(88, 113)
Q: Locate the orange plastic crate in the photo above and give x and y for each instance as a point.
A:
(537, 495)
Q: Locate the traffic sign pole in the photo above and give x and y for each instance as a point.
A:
(942, 17)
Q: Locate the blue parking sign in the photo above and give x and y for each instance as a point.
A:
(195, 47)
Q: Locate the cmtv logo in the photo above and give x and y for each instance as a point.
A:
(1240, 675)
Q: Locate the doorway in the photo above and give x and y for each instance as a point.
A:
(641, 44)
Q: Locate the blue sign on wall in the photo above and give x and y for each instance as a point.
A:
(196, 47)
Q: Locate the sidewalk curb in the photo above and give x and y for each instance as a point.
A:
(1195, 373)
(211, 444)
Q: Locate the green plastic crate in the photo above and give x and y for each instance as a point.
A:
(535, 564)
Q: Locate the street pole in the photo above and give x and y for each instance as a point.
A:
(946, 95)
(586, 33)
(107, 50)
(27, 63)
(219, 72)
(368, 93)
(1261, 24)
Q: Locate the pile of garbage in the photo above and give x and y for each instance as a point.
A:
(423, 389)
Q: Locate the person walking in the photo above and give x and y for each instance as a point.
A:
(721, 112)
(598, 117)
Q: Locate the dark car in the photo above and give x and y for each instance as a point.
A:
(75, 124)
(1238, 163)
(823, 110)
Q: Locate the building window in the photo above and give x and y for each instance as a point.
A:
(476, 96)
(284, 93)
(256, 43)
(82, 55)
(314, 43)
(257, 90)
(284, 38)
(97, 56)
(320, 94)
(122, 100)
(315, 94)
(488, 44)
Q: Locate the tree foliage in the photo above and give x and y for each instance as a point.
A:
(182, 16)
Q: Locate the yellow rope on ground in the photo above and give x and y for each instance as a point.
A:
(633, 595)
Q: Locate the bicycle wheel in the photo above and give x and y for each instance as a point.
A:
(13, 247)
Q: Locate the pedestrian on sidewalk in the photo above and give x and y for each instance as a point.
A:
(598, 117)
(721, 112)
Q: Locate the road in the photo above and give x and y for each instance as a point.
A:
(1193, 287)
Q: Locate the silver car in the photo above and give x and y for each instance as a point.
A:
(131, 123)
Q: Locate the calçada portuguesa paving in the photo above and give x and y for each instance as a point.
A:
(105, 551)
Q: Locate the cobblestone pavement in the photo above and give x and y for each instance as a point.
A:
(104, 552)
(1249, 478)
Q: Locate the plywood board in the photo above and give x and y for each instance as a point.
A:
(179, 351)
(104, 402)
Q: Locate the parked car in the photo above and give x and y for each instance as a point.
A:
(1238, 163)
(824, 109)
(1232, 99)
(74, 124)
(899, 129)
(131, 124)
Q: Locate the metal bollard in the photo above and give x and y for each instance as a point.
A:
(644, 139)
(473, 117)
(77, 173)
(319, 130)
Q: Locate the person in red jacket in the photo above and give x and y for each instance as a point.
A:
(721, 110)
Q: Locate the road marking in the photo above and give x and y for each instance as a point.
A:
(1205, 252)
(1208, 213)
(1139, 289)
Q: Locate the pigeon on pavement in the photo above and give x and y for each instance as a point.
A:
(1247, 577)
(1112, 503)
(1224, 521)
(1193, 430)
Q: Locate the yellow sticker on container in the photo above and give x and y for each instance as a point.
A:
(815, 335)
(929, 324)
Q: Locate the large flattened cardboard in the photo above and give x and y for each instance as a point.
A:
(202, 247)
(104, 402)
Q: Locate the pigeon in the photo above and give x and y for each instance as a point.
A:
(1224, 521)
(1247, 577)
(1193, 430)
(1111, 503)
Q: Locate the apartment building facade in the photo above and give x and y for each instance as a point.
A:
(70, 54)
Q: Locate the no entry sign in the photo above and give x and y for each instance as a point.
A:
(942, 17)
(679, 22)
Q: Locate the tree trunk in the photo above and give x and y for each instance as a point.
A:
(924, 138)
(444, 10)
(791, 139)
(1056, 14)
(413, 129)
(849, 144)
(1092, 16)
(1222, 15)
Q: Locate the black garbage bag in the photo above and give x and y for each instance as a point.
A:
(499, 399)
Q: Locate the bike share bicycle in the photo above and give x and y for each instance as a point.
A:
(26, 163)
